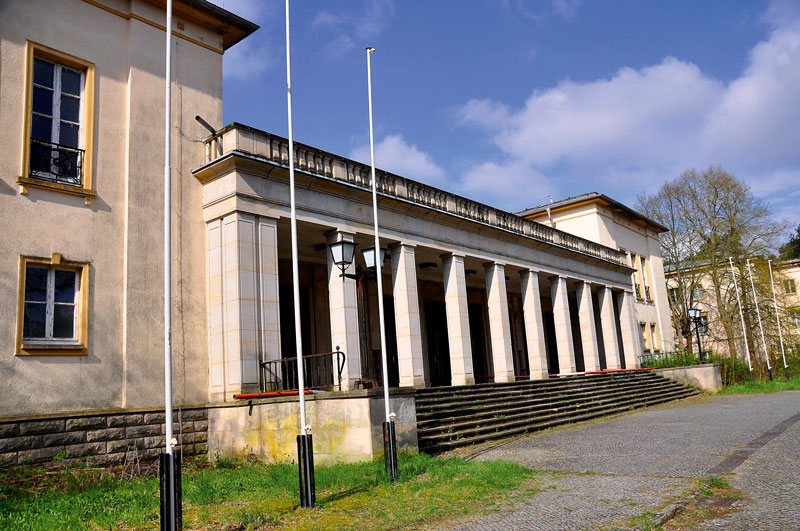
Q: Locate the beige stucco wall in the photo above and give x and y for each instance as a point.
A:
(596, 222)
(121, 233)
(345, 428)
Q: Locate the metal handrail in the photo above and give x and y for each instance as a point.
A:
(281, 375)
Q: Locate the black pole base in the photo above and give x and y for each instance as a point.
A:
(390, 449)
(169, 473)
(770, 374)
(305, 461)
(751, 375)
(786, 372)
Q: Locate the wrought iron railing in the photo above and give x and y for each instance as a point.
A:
(647, 292)
(56, 163)
(677, 358)
(320, 371)
(638, 288)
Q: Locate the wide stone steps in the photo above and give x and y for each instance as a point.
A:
(450, 417)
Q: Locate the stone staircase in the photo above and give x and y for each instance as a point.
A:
(450, 417)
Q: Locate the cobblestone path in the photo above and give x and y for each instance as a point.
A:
(637, 463)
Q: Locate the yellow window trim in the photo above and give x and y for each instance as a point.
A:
(32, 50)
(55, 349)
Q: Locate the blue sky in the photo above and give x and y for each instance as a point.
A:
(511, 101)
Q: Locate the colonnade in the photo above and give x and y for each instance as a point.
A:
(244, 310)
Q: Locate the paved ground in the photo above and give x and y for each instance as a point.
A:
(614, 469)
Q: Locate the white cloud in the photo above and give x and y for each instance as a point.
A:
(346, 29)
(639, 127)
(396, 155)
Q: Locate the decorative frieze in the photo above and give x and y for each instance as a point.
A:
(237, 137)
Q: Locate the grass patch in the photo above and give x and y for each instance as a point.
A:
(776, 385)
(239, 495)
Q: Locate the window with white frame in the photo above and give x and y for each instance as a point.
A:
(698, 293)
(794, 317)
(50, 304)
(790, 285)
(56, 153)
(53, 316)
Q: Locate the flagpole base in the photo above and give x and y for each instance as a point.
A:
(786, 372)
(390, 449)
(169, 472)
(305, 461)
(770, 374)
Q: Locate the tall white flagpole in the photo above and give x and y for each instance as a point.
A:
(389, 437)
(168, 271)
(305, 457)
(741, 314)
(778, 318)
(758, 315)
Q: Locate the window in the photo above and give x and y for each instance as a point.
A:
(654, 335)
(789, 285)
(698, 293)
(59, 98)
(794, 317)
(645, 337)
(53, 306)
(673, 294)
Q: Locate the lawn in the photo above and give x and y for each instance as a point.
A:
(778, 384)
(238, 495)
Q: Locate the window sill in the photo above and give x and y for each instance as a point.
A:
(26, 182)
(52, 349)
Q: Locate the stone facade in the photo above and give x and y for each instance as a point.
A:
(104, 438)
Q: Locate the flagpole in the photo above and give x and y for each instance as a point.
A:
(168, 463)
(758, 315)
(389, 438)
(741, 314)
(304, 442)
(778, 318)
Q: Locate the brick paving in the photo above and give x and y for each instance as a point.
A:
(640, 462)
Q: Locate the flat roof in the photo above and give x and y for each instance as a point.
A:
(613, 203)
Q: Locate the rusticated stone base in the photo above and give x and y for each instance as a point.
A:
(107, 437)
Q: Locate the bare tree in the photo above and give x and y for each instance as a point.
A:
(712, 216)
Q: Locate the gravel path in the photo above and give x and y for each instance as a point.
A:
(649, 457)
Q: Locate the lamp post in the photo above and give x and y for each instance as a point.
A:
(696, 316)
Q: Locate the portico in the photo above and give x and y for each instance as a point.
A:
(472, 293)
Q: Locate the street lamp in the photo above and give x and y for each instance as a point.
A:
(369, 256)
(695, 316)
(342, 254)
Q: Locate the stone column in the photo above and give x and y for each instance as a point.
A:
(455, 299)
(232, 306)
(499, 325)
(631, 336)
(605, 300)
(343, 303)
(563, 325)
(534, 325)
(591, 352)
(407, 316)
(269, 308)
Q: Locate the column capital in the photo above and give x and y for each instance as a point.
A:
(399, 245)
(451, 255)
(488, 265)
(528, 271)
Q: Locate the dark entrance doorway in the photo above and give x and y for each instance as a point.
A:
(391, 341)
(482, 367)
(438, 345)
(550, 342)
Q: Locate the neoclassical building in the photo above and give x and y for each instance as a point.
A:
(473, 293)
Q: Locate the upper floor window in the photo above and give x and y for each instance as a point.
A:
(53, 306)
(698, 293)
(794, 317)
(59, 121)
(789, 285)
(56, 152)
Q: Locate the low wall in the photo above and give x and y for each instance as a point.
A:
(346, 426)
(705, 376)
(107, 437)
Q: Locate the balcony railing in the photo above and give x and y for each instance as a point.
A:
(274, 149)
(638, 288)
(647, 292)
(318, 372)
(56, 163)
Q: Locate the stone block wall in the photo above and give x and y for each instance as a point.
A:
(103, 437)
